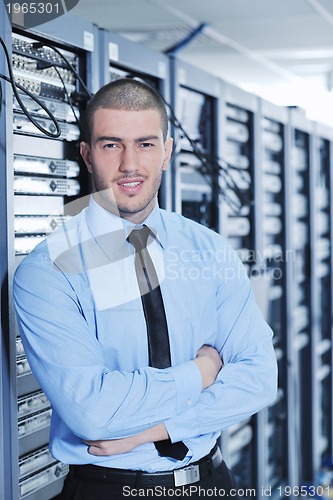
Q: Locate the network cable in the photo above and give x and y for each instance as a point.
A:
(16, 86)
(211, 164)
(39, 45)
(69, 100)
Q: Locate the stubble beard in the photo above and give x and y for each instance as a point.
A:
(105, 197)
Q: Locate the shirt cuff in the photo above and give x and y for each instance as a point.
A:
(183, 426)
(188, 381)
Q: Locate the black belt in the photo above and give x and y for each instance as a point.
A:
(178, 477)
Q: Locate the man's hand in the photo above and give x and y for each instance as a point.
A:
(209, 363)
(112, 446)
(115, 446)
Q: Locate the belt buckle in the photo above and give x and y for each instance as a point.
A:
(188, 475)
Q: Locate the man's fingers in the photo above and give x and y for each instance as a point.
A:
(94, 447)
(94, 450)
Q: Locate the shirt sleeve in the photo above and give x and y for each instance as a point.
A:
(67, 360)
(247, 381)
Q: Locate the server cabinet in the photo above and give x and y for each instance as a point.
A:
(272, 253)
(8, 460)
(300, 339)
(237, 121)
(121, 58)
(321, 312)
(195, 167)
(43, 174)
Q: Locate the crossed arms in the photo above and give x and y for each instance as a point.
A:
(209, 363)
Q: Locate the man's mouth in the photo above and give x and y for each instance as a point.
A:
(130, 185)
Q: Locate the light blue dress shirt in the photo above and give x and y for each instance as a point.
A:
(84, 333)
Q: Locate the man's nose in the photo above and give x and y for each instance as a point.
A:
(129, 160)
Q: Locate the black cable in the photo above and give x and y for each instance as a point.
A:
(210, 164)
(69, 100)
(15, 85)
(227, 168)
(38, 45)
(40, 103)
(206, 162)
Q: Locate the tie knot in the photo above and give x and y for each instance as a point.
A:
(139, 237)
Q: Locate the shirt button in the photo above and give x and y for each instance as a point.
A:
(189, 402)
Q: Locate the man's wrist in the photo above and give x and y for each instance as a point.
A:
(156, 433)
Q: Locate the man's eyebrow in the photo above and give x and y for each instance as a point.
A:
(108, 138)
(146, 138)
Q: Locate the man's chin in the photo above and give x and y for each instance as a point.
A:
(130, 210)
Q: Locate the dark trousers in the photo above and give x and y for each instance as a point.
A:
(219, 484)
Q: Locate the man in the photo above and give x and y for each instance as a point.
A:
(87, 332)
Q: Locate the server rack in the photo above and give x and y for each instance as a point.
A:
(321, 286)
(300, 340)
(120, 57)
(8, 460)
(271, 247)
(239, 111)
(43, 174)
(195, 167)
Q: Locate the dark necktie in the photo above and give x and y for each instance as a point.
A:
(157, 329)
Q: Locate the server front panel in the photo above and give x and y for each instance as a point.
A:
(273, 150)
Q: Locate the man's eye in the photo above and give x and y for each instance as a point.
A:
(109, 146)
(146, 145)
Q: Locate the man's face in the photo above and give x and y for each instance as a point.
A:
(126, 158)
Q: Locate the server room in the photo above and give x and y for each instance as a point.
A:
(248, 91)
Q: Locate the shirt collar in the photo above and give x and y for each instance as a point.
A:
(110, 231)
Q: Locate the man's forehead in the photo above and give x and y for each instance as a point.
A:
(120, 123)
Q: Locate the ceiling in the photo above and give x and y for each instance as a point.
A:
(280, 49)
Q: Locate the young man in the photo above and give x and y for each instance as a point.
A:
(86, 322)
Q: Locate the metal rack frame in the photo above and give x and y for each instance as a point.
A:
(300, 342)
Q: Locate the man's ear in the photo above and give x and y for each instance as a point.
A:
(168, 145)
(85, 153)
